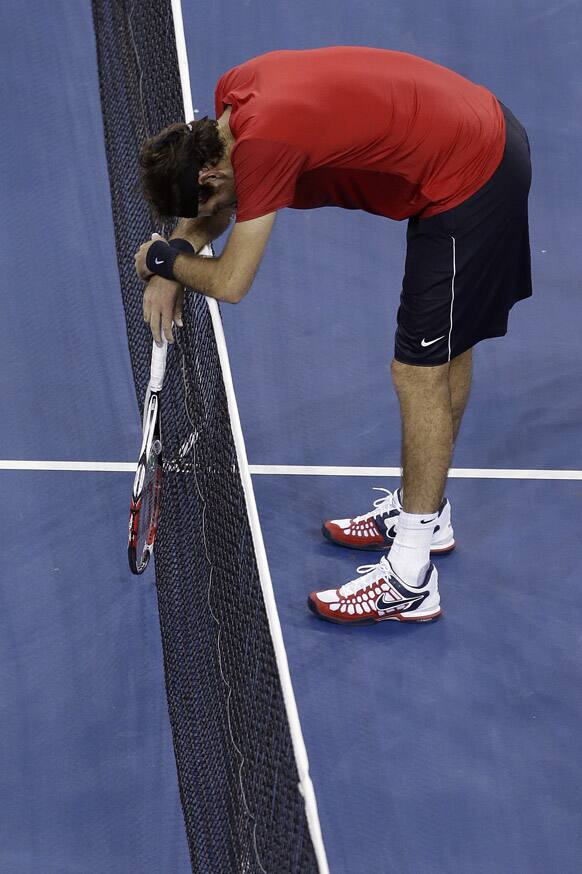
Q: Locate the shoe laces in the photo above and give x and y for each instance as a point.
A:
(381, 505)
(371, 574)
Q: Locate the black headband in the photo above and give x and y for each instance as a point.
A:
(188, 191)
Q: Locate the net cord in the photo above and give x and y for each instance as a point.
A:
(305, 784)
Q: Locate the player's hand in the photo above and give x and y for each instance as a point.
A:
(162, 304)
(141, 255)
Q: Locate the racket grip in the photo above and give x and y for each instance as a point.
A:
(158, 365)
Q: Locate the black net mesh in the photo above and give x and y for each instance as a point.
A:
(236, 770)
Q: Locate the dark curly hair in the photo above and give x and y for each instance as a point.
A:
(170, 162)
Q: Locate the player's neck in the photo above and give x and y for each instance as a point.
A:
(225, 131)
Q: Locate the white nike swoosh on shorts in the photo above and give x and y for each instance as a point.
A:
(430, 342)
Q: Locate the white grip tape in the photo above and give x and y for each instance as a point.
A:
(158, 365)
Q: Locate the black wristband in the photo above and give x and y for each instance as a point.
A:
(160, 259)
(181, 245)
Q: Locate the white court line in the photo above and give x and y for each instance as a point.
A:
(302, 470)
(91, 466)
(460, 472)
(305, 786)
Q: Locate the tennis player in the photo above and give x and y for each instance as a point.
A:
(400, 137)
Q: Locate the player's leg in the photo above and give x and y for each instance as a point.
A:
(405, 585)
(426, 415)
(460, 374)
(376, 528)
(432, 403)
(465, 269)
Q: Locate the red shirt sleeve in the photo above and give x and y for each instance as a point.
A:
(265, 176)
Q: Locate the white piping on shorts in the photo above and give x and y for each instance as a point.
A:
(453, 291)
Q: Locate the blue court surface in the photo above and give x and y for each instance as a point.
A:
(450, 748)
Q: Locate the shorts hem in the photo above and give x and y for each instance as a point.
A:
(463, 348)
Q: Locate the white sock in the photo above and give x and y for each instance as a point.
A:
(410, 552)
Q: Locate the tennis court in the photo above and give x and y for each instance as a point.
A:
(435, 749)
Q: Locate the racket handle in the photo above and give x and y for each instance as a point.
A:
(158, 365)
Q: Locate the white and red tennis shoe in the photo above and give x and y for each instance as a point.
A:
(377, 528)
(377, 595)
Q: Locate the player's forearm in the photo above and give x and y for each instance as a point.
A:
(203, 230)
(206, 275)
(213, 277)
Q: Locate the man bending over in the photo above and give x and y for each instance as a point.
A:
(425, 144)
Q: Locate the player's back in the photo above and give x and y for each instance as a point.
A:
(360, 102)
(362, 110)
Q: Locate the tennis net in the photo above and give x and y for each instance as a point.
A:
(237, 771)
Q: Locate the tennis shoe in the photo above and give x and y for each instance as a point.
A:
(379, 594)
(377, 528)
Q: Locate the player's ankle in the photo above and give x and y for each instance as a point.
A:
(410, 553)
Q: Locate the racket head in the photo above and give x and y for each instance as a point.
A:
(144, 512)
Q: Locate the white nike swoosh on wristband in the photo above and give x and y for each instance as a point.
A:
(157, 262)
(430, 342)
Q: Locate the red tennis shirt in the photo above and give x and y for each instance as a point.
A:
(359, 128)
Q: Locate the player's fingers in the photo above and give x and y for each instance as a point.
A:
(140, 261)
(178, 309)
(167, 325)
(155, 322)
(147, 304)
(140, 271)
(143, 272)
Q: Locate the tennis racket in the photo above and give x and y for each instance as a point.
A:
(144, 512)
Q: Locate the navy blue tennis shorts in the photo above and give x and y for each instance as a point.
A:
(466, 267)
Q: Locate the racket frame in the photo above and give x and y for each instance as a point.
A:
(151, 431)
